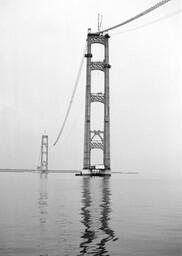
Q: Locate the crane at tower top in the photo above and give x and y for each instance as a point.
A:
(99, 21)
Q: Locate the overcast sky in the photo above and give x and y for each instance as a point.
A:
(41, 47)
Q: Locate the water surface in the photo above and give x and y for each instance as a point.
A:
(66, 215)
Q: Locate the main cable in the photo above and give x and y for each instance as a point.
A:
(72, 97)
(148, 24)
(137, 16)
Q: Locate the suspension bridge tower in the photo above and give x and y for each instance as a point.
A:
(97, 139)
(44, 154)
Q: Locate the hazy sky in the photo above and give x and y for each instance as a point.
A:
(41, 46)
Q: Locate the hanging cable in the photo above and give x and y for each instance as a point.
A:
(72, 97)
(148, 24)
(38, 165)
(137, 16)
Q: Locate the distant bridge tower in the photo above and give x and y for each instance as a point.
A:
(44, 154)
(103, 137)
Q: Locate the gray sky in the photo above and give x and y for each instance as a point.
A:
(41, 47)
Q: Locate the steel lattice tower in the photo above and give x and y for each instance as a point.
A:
(103, 137)
(44, 154)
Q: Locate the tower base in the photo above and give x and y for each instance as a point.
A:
(44, 171)
(94, 172)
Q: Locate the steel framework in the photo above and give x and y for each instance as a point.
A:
(44, 154)
(103, 137)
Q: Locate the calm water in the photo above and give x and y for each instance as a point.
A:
(125, 215)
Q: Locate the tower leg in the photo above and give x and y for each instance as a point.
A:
(86, 162)
(106, 109)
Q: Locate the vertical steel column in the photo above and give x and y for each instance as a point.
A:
(86, 162)
(106, 107)
(44, 154)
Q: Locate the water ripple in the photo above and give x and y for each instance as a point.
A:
(95, 216)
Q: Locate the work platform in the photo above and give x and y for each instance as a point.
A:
(94, 172)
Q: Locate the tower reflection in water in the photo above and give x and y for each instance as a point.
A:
(43, 197)
(43, 212)
(95, 216)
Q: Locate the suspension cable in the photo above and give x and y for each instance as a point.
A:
(137, 16)
(148, 24)
(72, 97)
